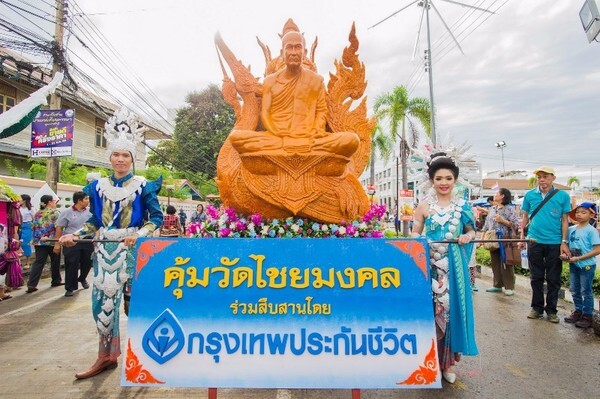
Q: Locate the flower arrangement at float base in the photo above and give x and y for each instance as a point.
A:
(226, 223)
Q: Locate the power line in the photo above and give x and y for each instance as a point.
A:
(446, 36)
(13, 6)
(14, 9)
(99, 47)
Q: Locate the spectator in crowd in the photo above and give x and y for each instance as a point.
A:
(502, 217)
(170, 226)
(182, 219)
(78, 259)
(199, 215)
(484, 210)
(44, 227)
(25, 231)
(584, 244)
(545, 210)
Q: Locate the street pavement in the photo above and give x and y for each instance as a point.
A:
(45, 338)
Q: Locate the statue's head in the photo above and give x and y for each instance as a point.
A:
(293, 48)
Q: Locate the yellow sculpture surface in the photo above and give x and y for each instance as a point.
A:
(296, 148)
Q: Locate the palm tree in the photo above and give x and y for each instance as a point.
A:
(532, 181)
(380, 143)
(573, 181)
(397, 109)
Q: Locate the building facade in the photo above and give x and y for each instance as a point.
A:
(19, 78)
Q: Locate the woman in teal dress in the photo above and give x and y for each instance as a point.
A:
(445, 215)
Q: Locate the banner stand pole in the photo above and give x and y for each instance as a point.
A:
(356, 394)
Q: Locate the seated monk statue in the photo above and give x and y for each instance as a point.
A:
(294, 111)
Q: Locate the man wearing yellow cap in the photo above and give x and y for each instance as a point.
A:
(545, 210)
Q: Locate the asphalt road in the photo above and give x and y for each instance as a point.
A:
(46, 338)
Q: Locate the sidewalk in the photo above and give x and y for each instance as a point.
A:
(522, 284)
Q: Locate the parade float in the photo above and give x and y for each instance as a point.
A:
(322, 305)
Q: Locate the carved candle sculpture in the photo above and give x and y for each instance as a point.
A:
(297, 149)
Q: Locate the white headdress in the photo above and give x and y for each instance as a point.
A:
(123, 131)
(423, 157)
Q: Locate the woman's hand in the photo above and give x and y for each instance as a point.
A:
(129, 241)
(464, 239)
(500, 219)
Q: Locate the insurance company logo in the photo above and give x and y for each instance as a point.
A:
(164, 339)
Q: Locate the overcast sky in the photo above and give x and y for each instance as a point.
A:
(529, 77)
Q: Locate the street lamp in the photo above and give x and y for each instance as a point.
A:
(501, 145)
(591, 177)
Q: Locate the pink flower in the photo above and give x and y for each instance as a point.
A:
(256, 219)
(212, 211)
(230, 212)
(240, 226)
(224, 232)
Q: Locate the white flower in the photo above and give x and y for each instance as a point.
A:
(281, 230)
(264, 230)
(295, 228)
(324, 227)
(363, 225)
(251, 226)
(342, 230)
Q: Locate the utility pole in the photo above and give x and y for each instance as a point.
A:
(429, 64)
(53, 163)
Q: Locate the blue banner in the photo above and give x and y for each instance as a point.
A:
(281, 313)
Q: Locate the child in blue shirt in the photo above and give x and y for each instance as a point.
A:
(584, 244)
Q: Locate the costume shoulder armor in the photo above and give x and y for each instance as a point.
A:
(153, 185)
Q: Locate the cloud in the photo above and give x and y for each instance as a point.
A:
(528, 76)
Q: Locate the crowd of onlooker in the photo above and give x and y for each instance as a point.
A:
(35, 240)
(551, 231)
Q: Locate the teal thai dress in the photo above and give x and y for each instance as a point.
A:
(449, 266)
(120, 208)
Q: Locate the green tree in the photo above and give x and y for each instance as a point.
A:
(12, 169)
(169, 179)
(398, 110)
(201, 128)
(532, 182)
(72, 173)
(573, 181)
(37, 168)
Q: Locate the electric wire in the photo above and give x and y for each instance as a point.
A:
(114, 53)
(13, 6)
(419, 69)
(93, 85)
(15, 10)
(446, 37)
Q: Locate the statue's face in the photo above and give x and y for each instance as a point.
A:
(293, 49)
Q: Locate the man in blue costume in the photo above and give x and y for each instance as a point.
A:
(118, 204)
